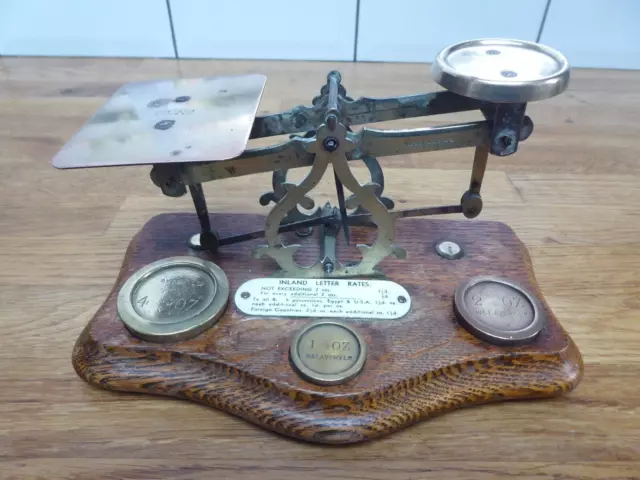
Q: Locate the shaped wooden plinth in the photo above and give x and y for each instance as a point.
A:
(418, 366)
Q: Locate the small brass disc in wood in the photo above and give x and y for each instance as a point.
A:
(328, 352)
(173, 299)
(498, 311)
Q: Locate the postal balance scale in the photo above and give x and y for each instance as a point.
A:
(264, 317)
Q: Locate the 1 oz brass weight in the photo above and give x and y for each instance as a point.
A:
(328, 352)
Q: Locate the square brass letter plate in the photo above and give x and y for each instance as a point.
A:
(168, 121)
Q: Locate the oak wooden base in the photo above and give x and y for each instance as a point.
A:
(419, 366)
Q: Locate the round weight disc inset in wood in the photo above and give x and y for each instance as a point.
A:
(173, 299)
(328, 352)
(498, 311)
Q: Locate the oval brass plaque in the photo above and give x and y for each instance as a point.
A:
(498, 311)
(173, 299)
(327, 352)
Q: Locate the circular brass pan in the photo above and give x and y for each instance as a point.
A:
(173, 299)
(502, 70)
(498, 311)
(327, 352)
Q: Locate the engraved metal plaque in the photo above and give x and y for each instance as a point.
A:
(326, 298)
(168, 121)
(327, 352)
(173, 299)
(498, 311)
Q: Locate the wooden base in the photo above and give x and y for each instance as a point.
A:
(419, 366)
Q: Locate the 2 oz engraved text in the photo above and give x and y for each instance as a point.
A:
(515, 307)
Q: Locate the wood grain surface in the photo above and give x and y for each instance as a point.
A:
(570, 194)
(417, 367)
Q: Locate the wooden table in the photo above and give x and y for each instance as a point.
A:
(571, 193)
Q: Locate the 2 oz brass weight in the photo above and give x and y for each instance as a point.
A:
(498, 311)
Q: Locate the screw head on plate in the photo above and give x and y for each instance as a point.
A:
(330, 144)
(449, 250)
(164, 124)
(204, 241)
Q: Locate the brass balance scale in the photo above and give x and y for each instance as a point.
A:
(265, 317)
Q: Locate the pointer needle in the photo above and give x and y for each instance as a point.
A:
(343, 207)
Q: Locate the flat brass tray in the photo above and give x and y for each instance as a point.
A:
(167, 121)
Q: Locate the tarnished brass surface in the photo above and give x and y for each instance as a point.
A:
(168, 121)
(498, 310)
(173, 299)
(328, 352)
(502, 70)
